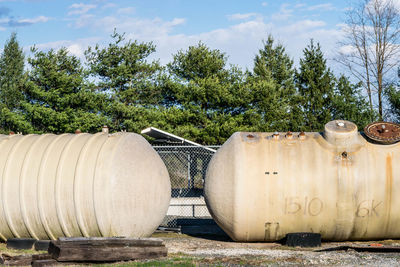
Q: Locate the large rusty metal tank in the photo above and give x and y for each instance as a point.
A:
(81, 185)
(262, 186)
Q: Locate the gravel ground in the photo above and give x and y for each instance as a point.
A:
(228, 253)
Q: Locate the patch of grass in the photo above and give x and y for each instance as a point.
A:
(188, 261)
(166, 262)
(236, 261)
(169, 235)
(294, 248)
(14, 252)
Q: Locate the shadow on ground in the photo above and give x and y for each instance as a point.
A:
(203, 228)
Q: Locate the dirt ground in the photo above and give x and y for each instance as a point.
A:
(207, 250)
(214, 251)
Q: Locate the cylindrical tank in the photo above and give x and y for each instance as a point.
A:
(261, 186)
(81, 185)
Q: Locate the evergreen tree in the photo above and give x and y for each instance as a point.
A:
(271, 108)
(275, 95)
(11, 80)
(125, 74)
(315, 84)
(393, 96)
(206, 100)
(273, 62)
(57, 98)
(11, 73)
(202, 78)
(349, 104)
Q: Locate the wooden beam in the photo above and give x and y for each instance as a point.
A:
(106, 249)
(15, 260)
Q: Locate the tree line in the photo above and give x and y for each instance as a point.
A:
(197, 95)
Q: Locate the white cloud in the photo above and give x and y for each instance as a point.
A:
(284, 13)
(4, 20)
(264, 4)
(322, 7)
(11, 22)
(82, 21)
(143, 28)
(75, 47)
(396, 3)
(347, 49)
(126, 10)
(240, 16)
(300, 5)
(34, 20)
(303, 25)
(241, 41)
(79, 9)
(176, 22)
(109, 5)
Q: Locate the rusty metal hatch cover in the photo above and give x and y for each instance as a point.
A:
(383, 132)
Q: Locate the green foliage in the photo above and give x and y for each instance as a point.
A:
(270, 106)
(198, 62)
(11, 80)
(128, 79)
(273, 89)
(197, 95)
(315, 83)
(13, 121)
(205, 99)
(393, 96)
(349, 104)
(11, 73)
(200, 78)
(124, 71)
(273, 62)
(57, 98)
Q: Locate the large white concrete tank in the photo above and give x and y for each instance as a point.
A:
(261, 186)
(81, 185)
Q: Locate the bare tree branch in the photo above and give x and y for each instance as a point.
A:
(372, 33)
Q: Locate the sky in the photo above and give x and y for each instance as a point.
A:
(235, 27)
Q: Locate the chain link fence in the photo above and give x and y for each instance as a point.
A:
(187, 167)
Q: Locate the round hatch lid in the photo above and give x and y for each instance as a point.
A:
(341, 133)
(383, 132)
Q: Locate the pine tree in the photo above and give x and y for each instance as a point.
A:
(124, 73)
(57, 98)
(206, 99)
(271, 109)
(392, 94)
(349, 104)
(202, 76)
(273, 62)
(11, 73)
(11, 81)
(274, 93)
(315, 84)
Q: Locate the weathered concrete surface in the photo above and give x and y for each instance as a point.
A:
(188, 207)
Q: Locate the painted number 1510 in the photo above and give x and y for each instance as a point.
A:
(303, 205)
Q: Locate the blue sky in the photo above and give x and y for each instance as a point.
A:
(236, 27)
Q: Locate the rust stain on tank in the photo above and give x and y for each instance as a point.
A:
(388, 189)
